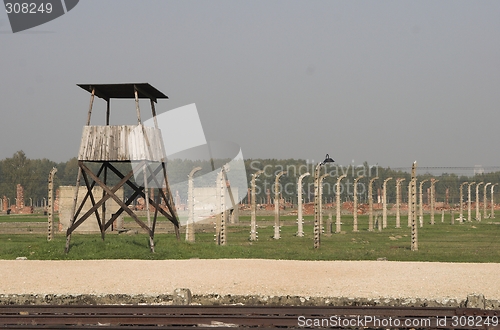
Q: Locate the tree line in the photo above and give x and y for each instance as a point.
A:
(32, 174)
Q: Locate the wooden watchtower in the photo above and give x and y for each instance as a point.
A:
(107, 145)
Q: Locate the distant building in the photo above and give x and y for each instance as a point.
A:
(478, 169)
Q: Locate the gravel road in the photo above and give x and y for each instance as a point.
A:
(363, 279)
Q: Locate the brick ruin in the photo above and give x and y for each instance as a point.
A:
(5, 204)
(19, 207)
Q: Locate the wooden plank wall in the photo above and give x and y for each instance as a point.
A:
(121, 143)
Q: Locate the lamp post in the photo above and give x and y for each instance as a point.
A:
(478, 216)
(485, 199)
(421, 195)
(277, 205)
(469, 213)
(384, 203)
(355, 204)
(300, 220)
(493, 201)
(398, 201)
(433, 198)
(370, 203)
(317, 230)
(462, 201)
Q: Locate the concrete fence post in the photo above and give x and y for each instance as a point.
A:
(409, 204)
(329, 224)
(398, 202)
(384, 203)
(493, 201)
(433, 199)
(413, 199)
(277, 227)
(321, 201)
(370, 203)
(317, 229)
(462, 201)
(220, 228)
(478, 215)
(485, 200)
(421, 195)
(337, 202)
(355, 204)
(469, 211)
(190, 237)
(253, 220)
(300, 219)
(50, 210)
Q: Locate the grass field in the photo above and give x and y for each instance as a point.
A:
(468, 242)
(36, 217)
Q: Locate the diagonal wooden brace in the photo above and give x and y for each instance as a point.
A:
(111, 193)
(99, 203)
(141, 193)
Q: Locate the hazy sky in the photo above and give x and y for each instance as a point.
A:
(387, 82)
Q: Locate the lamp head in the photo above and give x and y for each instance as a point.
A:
(327, 160)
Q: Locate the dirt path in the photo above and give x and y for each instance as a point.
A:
(363, 279)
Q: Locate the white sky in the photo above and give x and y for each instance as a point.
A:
(387, 82)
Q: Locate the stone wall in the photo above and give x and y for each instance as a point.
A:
(66, 195)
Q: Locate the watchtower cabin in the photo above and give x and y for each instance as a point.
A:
(138, 145)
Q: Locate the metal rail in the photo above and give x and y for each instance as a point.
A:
(181, 317)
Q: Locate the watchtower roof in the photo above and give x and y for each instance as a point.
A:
(124, 91)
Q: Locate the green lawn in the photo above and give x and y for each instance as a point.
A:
(468, 242)
(35, 217)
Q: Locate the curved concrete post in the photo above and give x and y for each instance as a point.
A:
(413, 207)
(50, 210)
(317, 230)
(370, 203)
(384, 203)
(433, 199)
(300, 219)
(355, 204)
(409, 204)
(253, 220)
(485, 199)
(337, 202)
(220, 227)
(462, 201)
(421, 195)
(398, 201)
(478, 216)
(492, 215)
(277, 205)
(469, 212)
(190, 223)
(321, 201)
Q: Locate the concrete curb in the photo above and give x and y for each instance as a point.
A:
(184, 297)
